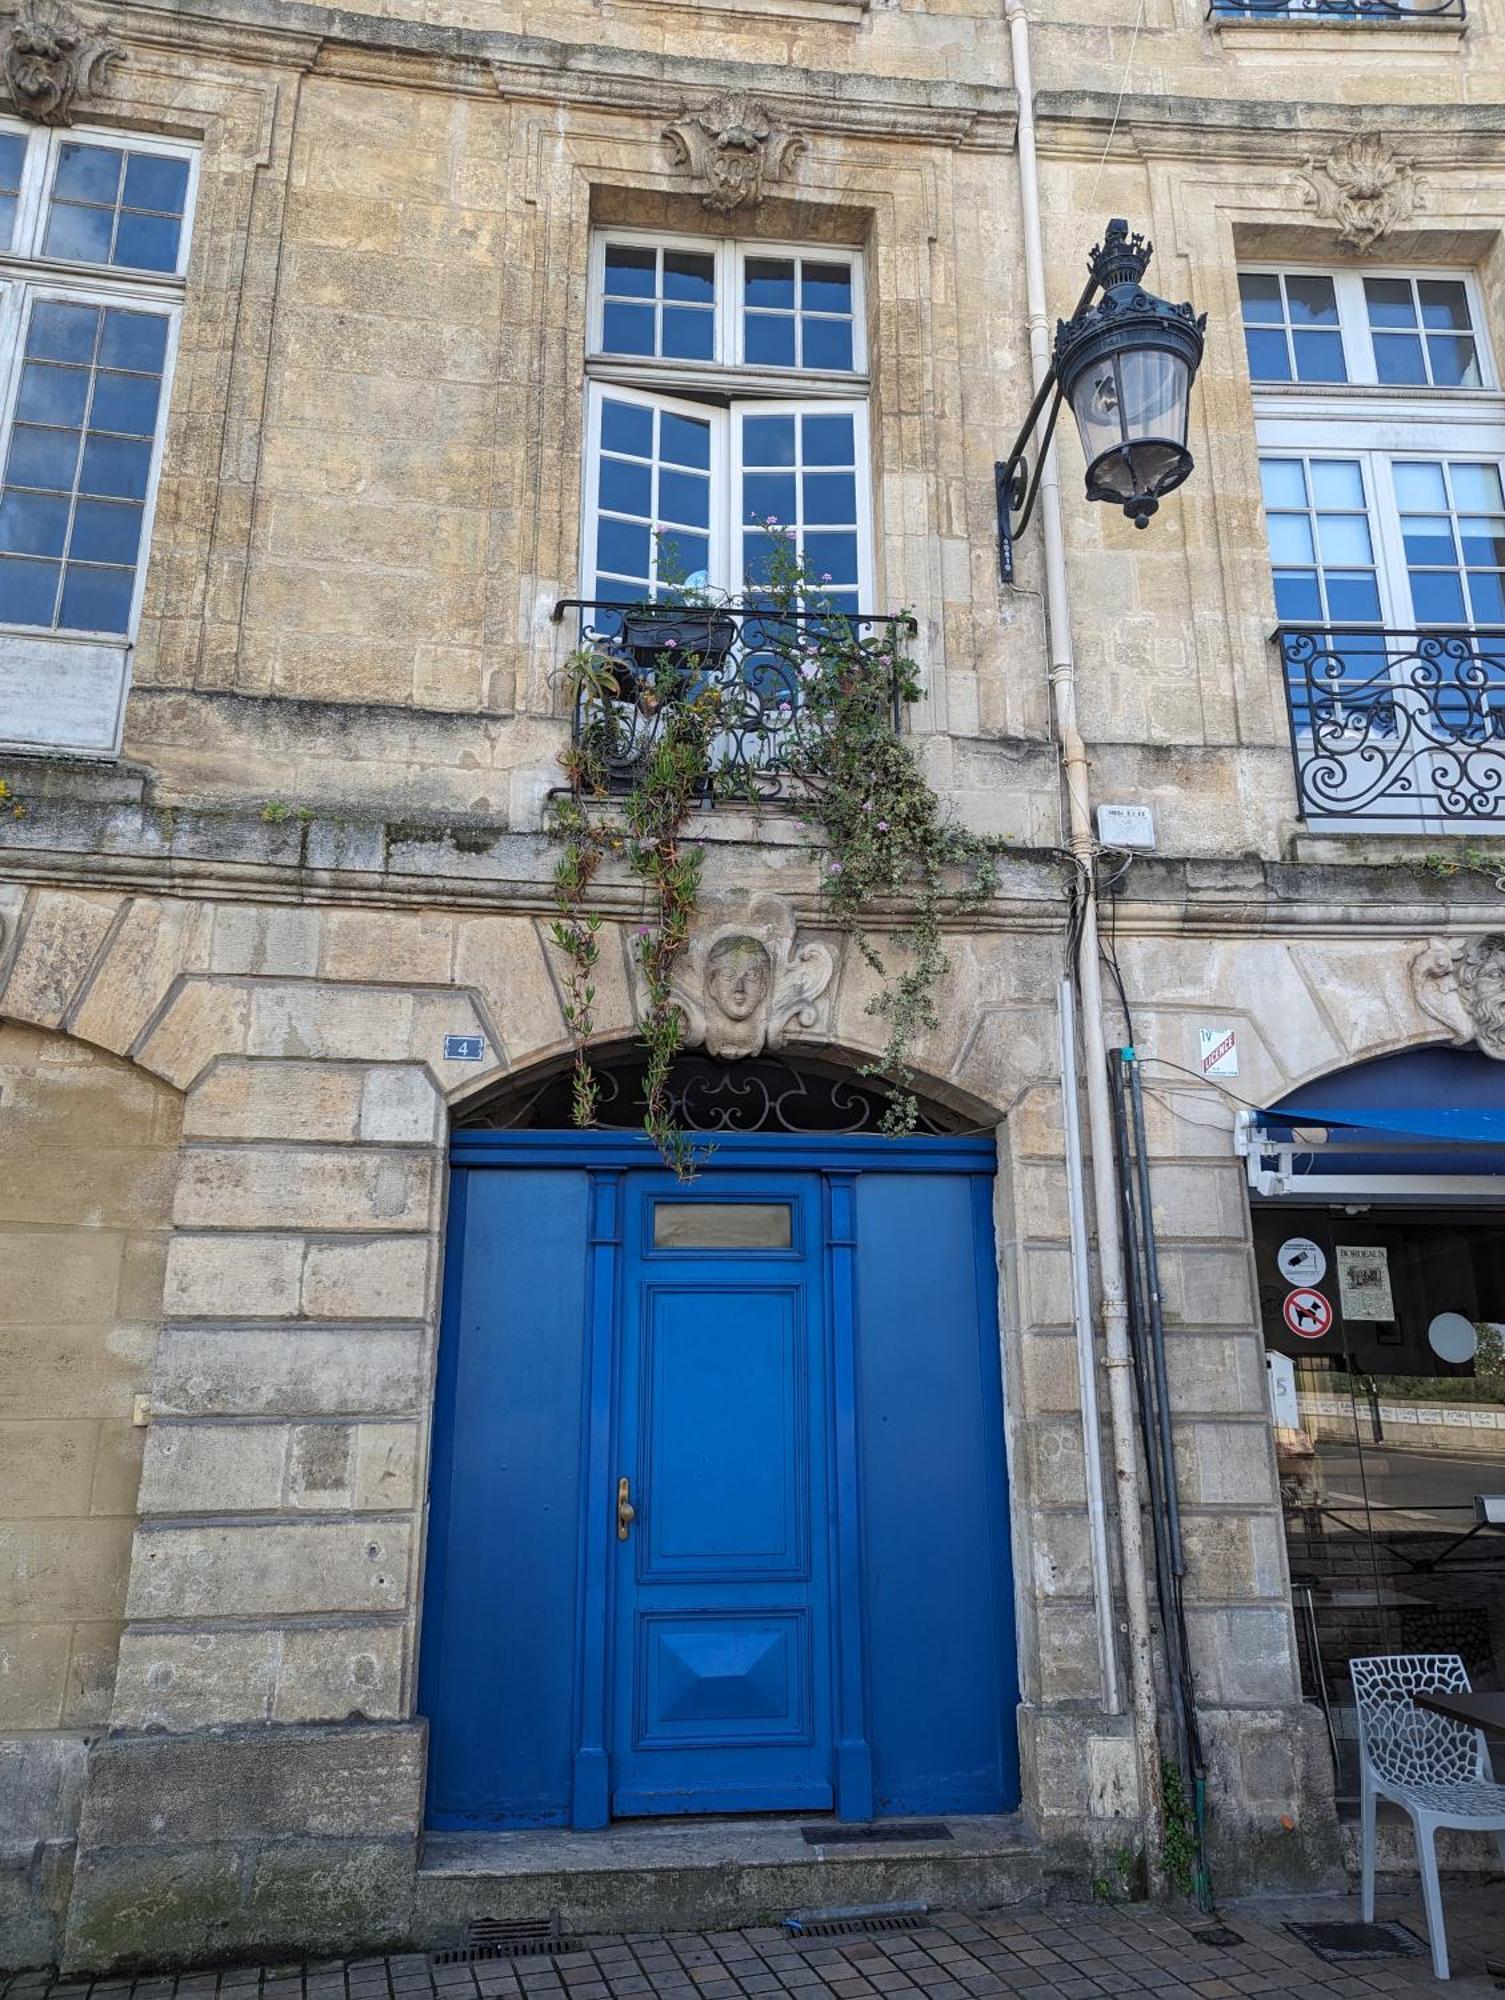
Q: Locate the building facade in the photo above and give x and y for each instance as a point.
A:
(340, 348)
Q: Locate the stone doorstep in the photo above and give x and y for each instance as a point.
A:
(709, 1874)
(1463, 1856)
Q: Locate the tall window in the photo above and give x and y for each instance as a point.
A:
(727, 397)
(1382, 459)
(93, 247)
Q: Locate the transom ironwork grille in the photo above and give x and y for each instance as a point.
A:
(707, 1095)
(1336, 10)
(1403, 727)
(662, 653)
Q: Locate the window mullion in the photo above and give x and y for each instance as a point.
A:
(1390, 545)
(1353, 326)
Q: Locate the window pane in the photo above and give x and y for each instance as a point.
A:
(7, 220)
(33, 524)
(28, 591)
(52, 395)
(684, 440)
(42, 458)
(125, 403)
(684, 497)
(831, 496)
(1337, 482)
(689, 334)
(115, 467)
(1455, 361)
(627, 427)
(1269, 358)
(88, 173)
(1260, 293)
(833, 557)
(1282, 482)
(1344, 538)
(1291, 539)
(1297, 597)
(1437, 598)
(1486, 591)
(1428, 538)
(147, 242)
(1311, 301)
(690, 276)
(1352, 597)
(1319, 357)
(769, 281)
(1397, 358)
(826, 288)
(1390, 301)
(740, 1225)
(627, 329)
(827, 343)
(768, 493)
(96, 600)
(630, 271)
(12, 159)
(134, 340)
(768, 340)
(828, 441)
(757, 557)
(623, 547)
(106, 531)
(62, 333)
(1444, 303)
(1419, 486)
(82, 234)
(625, 487)
(770, 441)
(156, 183)
(1477, 489)
(1482, 539)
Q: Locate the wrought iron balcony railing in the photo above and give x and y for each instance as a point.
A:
(659, 654)
(1336, 10)
(1404, 728)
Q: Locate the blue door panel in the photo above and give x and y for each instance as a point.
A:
(498, 1659)
(940, 1646)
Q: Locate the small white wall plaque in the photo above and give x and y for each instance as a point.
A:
(1126, 826)
(1219, 1051)
(464, 1048)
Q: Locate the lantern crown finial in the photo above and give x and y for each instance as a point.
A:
(1120, 259)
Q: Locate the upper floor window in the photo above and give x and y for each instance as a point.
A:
(1383, 328)
(1371, 11)
(748, 305)
(94, 233)
(725, 399)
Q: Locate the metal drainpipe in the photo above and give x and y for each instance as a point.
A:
(1113, 1297)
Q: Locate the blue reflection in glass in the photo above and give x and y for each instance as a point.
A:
(829, 441)
(117, 468)
(96, 600)
(768, 441)
(627, 427)
(88, 173)
(80, 234)
(28, 591)
(684, 497)
(52, 395)
(627, 329)
(768, 340)
(154, 182)
(147, 242)
(134, 340)
(33, 524)
(828, 343)
(42, 458)
(106, 531)
(125, 403)
(684, 440)
(625, 487)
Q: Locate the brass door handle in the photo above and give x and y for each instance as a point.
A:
(626, 1512)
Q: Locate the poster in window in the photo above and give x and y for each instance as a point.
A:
(1364, 1282)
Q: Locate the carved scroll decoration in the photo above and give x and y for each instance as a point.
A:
(734, 146)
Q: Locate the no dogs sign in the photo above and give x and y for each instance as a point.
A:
(1308, 1314)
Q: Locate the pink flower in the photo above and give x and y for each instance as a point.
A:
(883, 826)
(825, 576)
(670, 642)
(835, 867)
(867, 805)
(643, 931)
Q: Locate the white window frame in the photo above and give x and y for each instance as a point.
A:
(1354, 330)
(77, 679)
(727, 529)
(730, 257)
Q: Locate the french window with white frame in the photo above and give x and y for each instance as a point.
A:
(727, 394)
(94, 236)
(1381, 431)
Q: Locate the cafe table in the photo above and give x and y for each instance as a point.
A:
(1484, 1711)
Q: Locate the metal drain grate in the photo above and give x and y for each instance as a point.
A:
(1340, 1944)
(883, 1829)
(862, 1920)
(505, 1937)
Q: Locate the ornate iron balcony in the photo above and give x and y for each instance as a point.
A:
(660, 654)
(1336, 10)
(1404, 728)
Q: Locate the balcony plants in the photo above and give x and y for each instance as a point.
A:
(881, 840)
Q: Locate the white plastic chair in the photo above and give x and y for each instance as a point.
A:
(1438, 1769)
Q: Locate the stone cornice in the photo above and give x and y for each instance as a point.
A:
(1235, 128)
(526, 68)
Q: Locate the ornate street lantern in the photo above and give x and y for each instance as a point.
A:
(1125, 362)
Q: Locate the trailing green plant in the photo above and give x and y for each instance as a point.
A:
(1180, 1834)
(884, 847)
(1465, 861)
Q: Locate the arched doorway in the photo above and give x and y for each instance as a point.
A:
(718, 1508)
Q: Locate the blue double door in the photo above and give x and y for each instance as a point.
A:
(718, 1520)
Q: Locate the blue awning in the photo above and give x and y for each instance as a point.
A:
(1428, 1112)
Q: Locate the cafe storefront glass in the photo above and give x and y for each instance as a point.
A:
(1380, 1254)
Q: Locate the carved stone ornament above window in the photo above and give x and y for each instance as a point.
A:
(744, 982)
(1364, 188)
(1461, 984)
(734, 146)
(53, 60)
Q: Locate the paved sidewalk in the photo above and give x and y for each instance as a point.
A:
(1063, 1954)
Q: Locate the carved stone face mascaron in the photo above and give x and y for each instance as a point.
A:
(738, 977)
